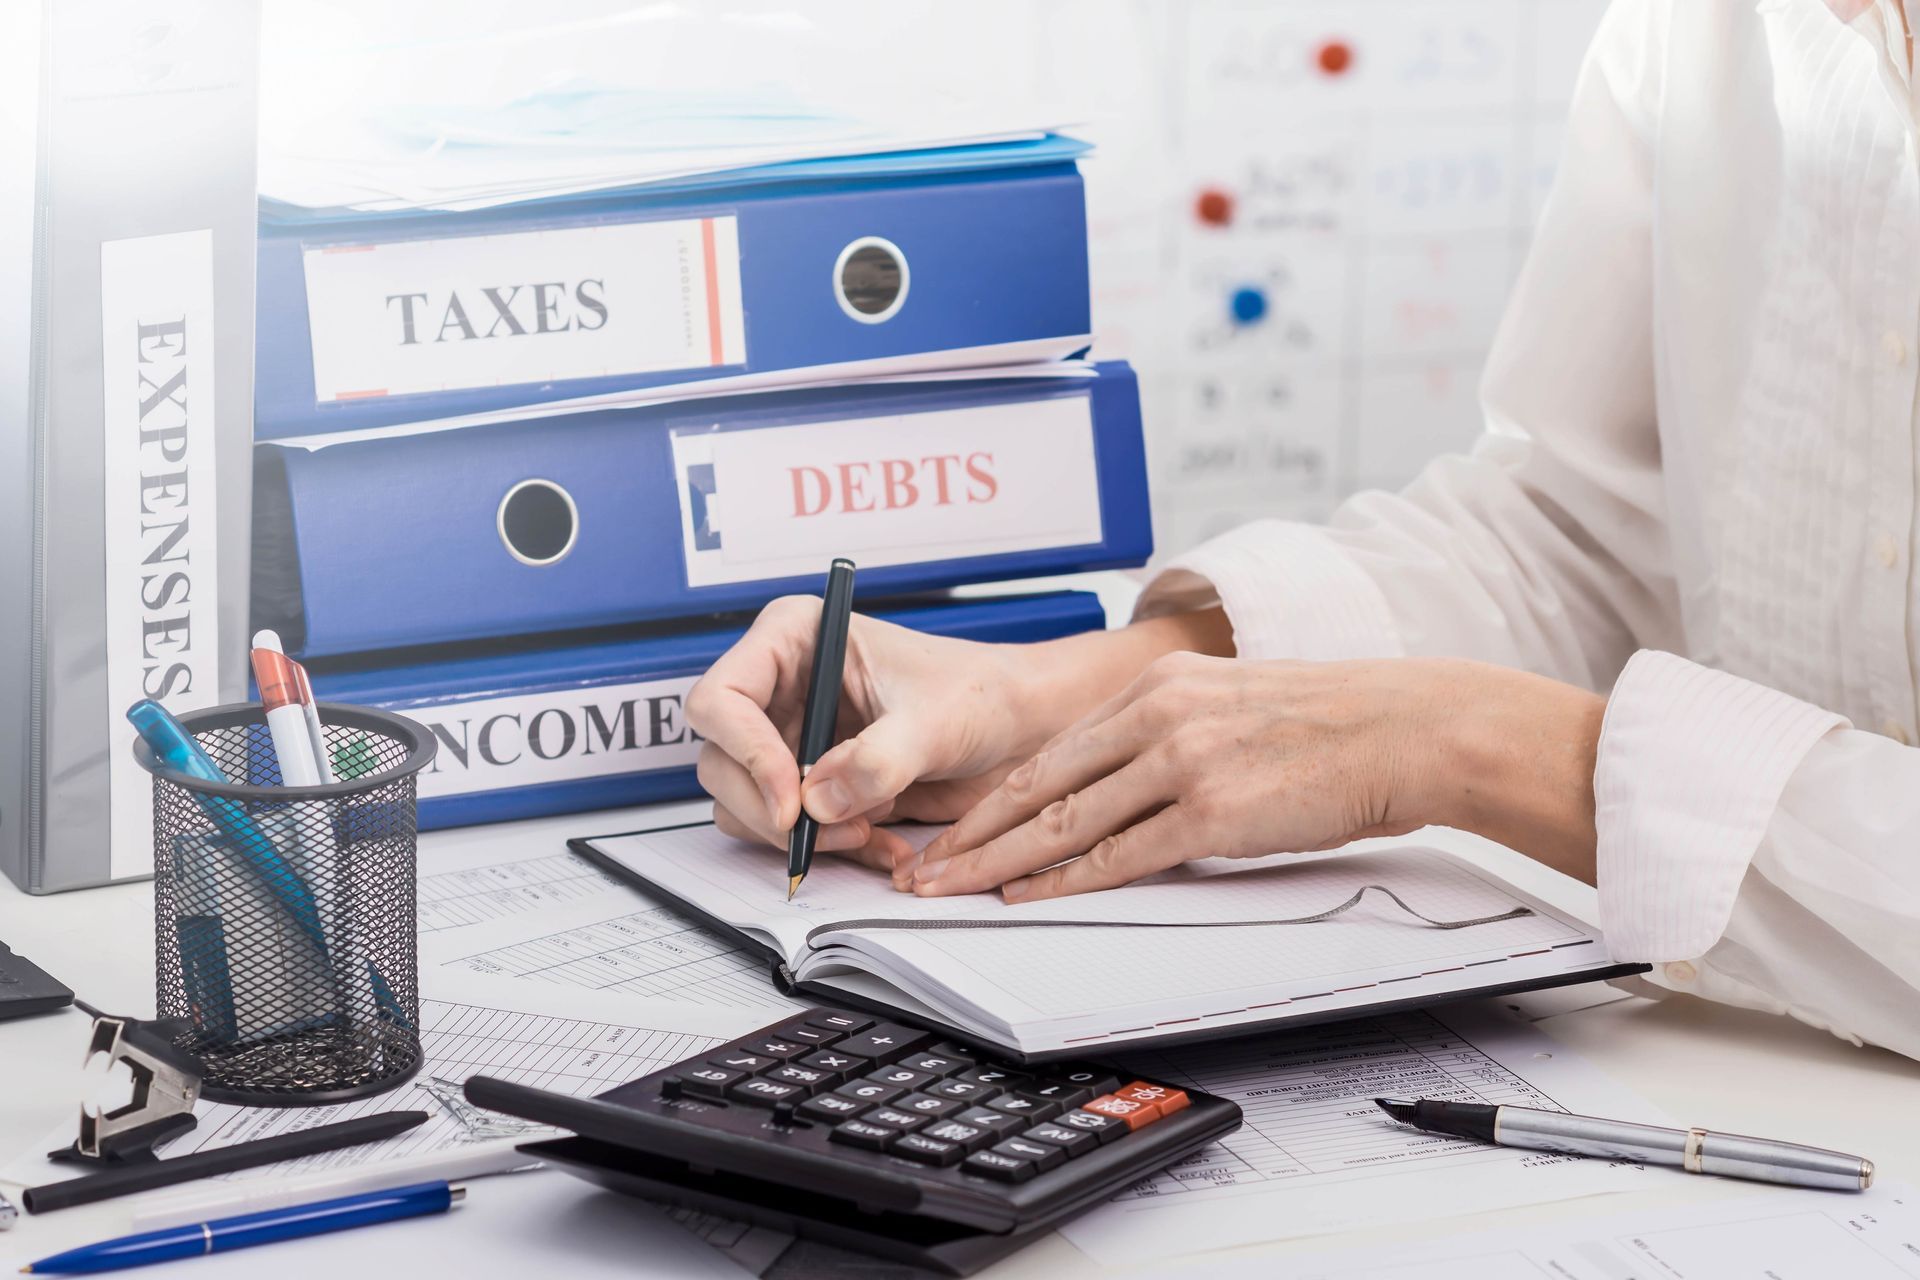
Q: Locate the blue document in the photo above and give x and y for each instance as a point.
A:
(536, 731)
(366, 322)
(702, 507)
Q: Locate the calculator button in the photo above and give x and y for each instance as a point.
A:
(992, 1121)
(1134, 1115)
(1087, 1078)
(936, 1064)
(829, 1060)
(735, 1061)
(858, 1133)
(926, 1105)
(811, 1079)
(902, 1076)
(777, 1047)
(840, 1024)
(1163, 1098)
(1044, 1155)
(764, 1093)
(884, 1042)
(709, 1081)
(1000, 1076)
(870, 1091)
(965, 1090)
(895, 1118)
(814, 1036)
(1075, 1142)
(832, 1108)
(1104, 1128)
(965, 1135)
(1002, 1168)
(918, 1146)
(1067, 1095)
(1029, 1109)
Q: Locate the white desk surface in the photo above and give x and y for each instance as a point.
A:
(1704, 1064)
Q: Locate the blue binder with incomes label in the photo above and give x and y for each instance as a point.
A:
(369, 321)
(559, 727)
(679, 510)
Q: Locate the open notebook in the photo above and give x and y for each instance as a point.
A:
(1194, 953)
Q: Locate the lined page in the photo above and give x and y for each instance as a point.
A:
(1047, 986)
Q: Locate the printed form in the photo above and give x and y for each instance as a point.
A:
(1782, 1234)
(1315, 1155)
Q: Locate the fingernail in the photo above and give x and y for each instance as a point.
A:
(1014, 890)
(773, 803)
(928, 872)
(828, 801)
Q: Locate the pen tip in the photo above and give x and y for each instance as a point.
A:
(793, 886)
(1398, 1108)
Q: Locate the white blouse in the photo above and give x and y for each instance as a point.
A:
(1697, 487)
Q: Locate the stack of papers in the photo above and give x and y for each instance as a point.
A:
(424, 108)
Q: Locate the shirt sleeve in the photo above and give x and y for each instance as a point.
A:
(1546, 547)
(1806, 868)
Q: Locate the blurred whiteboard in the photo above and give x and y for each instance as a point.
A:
(1373, 169)
(1381, 162)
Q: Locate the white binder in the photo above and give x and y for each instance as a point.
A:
(127, 245)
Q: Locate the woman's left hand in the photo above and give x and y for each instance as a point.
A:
(1223, 757)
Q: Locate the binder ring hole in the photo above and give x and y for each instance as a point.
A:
(538, 522)
(870, 280)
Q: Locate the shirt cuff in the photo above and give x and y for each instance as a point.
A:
(1691, 765)
(1288, 589)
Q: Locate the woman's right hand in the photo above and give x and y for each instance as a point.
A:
(928, 724)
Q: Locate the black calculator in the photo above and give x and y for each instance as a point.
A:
(873, 1135)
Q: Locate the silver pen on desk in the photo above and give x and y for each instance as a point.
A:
(1728, 1155)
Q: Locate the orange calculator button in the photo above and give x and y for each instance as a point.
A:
(1135, 1115)
(1164, 1099)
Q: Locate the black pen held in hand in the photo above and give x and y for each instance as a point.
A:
(823, 708)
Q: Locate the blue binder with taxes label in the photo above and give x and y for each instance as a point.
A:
(544, 728)
(699, 507)
(370, 321)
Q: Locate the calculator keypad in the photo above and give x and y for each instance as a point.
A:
(884, 1088)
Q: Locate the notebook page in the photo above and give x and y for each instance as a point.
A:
(1047, 988)
(1070, 985)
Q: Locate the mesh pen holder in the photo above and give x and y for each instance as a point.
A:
(285, 917)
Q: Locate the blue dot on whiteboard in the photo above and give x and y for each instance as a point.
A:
(1249, 305)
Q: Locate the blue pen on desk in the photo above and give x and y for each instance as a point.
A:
(222, 1234)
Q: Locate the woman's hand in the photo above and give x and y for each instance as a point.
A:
(928, 724)
(1206, 757)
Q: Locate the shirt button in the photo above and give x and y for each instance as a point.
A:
(1895, 730)
(1887, 550)
(1680, 971)
(1896, 347)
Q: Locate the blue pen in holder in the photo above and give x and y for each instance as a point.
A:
(285, 917)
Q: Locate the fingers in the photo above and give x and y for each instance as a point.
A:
(1161, 841)
(1070, 763)
(729, 705)
(867, 771)
(1066, 828)
(738, 812)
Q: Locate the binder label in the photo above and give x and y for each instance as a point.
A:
(775, 502)
(453, 314)
(557, 736)
(162, 597)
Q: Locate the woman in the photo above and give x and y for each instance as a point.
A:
(1632, 634)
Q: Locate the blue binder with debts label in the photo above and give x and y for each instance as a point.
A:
(593, 725)
(369, 321)
(701, 507)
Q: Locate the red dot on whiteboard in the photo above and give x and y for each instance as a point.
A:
(1213, 207)
(1334, 57)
